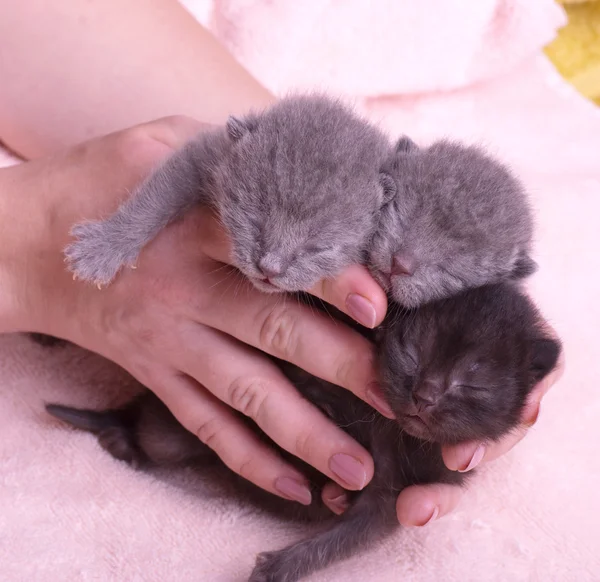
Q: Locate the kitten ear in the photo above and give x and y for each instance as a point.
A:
(388, 186)
(544, 356)
(406, 145)
(523, 266)
(238, 128)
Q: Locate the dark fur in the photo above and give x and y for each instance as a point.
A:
(472, 359)
(277, 181)
(459, 220)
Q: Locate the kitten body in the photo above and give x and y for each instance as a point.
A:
(459, 219)
(307, 188)
(297, 187)
(457, 369)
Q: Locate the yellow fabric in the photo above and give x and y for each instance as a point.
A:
(576, 50)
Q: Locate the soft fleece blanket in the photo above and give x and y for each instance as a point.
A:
(68, 512)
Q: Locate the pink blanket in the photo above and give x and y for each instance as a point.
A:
(69, 512)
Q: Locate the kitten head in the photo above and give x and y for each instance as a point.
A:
(461, 369)
(459, 219)
(301, 191)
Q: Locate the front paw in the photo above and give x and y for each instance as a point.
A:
(273, 567)
(98, 252)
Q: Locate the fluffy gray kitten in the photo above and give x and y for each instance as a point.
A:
(297, 187)
(453, 370)
(459, 219)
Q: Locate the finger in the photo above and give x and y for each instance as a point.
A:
(466, 456)
(210, 233)
(251, 384)
(419, 505)
(356, 293)
(294, 332)
(234, 442)
(336, 498)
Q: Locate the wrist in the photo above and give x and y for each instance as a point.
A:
(26, 249)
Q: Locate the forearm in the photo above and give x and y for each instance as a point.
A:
(22, 226)
(78, 70)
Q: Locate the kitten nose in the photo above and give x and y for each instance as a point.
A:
(270, 265)
(427, 394)
(403, 264)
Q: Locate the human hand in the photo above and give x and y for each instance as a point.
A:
(184, 323)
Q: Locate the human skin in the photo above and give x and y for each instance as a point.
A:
(155, 50)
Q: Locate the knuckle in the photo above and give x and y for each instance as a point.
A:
(248, 396)
(327, 288)
(129, 142)
(344, 372)
(248, 469)
(209, 432)
(279, 332)
(304, 446)
(353, 370)
(178, 119)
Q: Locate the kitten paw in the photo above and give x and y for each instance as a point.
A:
(118, 442)
(272, 567)
(98, 252)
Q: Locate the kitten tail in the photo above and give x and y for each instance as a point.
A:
(88, 420)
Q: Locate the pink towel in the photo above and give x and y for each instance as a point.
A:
(380, 48)
(69, 512)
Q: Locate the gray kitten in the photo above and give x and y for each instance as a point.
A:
(459, 219)
(297, 187)
(453, 370)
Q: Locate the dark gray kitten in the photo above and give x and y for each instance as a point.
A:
(459, 220)
(297, 187)
(452, 370)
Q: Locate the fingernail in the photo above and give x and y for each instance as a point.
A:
(434, 515)
(339, 504)
(376, 400)
(350, 470)
(475, 459)
(293, 490)
(361, 309)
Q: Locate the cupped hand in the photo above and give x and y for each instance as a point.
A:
(189, 326)
(193, 330)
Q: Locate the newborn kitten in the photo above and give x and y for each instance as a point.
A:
(459, 219)
(452, 370)
(277, 181)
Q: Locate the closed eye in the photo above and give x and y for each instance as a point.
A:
(411, 359)
(473, 388)
(316, 249)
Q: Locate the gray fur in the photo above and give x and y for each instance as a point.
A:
(459, 219)
(297, 187)
(483, 350)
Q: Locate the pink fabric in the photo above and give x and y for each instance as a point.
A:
(385, 47)
(69, 512)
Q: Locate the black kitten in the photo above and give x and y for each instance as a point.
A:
(453, 370)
